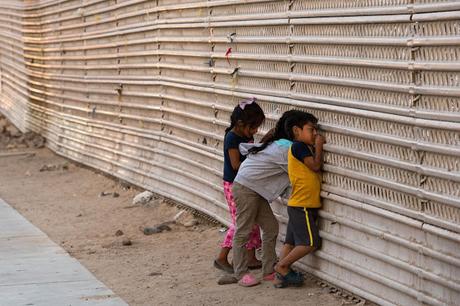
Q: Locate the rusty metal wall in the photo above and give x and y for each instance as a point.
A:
(143, 90)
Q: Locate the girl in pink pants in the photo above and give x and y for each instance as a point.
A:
(246, 118)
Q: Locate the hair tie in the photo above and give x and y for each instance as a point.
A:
(249, 101)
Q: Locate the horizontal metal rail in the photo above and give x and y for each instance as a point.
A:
(143, 90)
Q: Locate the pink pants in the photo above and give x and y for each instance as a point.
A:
(254, 238)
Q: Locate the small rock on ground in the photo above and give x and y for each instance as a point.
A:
(185, 218)
(143, 198)
(156, 229)
(126, 242)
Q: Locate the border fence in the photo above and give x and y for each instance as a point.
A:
(143, 89)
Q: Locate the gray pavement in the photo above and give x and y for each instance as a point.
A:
(36, 271)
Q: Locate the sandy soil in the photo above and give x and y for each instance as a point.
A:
(170, 268)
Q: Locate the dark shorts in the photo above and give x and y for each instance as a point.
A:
(302, 227)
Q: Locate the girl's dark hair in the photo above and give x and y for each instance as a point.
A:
(283, 128)
(250, 115)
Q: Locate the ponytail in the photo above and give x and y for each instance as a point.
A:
(283, 128)
(277, 133)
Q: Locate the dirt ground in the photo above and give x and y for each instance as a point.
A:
(170, 268)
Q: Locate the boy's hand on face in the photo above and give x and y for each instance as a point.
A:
(315, 162)
(319, 140)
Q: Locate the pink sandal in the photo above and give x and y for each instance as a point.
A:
(248, 280)
(269, 277)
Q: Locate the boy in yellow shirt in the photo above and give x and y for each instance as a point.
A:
(302, 234)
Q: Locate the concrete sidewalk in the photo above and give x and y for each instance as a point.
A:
(36, 271)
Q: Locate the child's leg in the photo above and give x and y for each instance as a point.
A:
(303, 233)
(254, 241)
(254, 238)
(295, 254)
(246, 212)
(253, 262)
(222, 258)
(267, 221)
(289, 241)
(227, 244)
(285, 250)
(253, 244)
(288, 246)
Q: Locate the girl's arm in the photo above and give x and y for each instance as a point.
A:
(234, 155)
(315, 163)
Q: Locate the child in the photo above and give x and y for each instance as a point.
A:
(304, 164)
(262, 178)
(245, 120)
